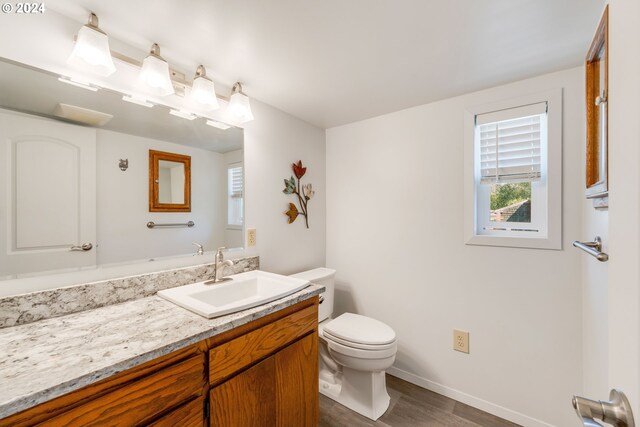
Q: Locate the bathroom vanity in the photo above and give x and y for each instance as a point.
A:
(149, 362)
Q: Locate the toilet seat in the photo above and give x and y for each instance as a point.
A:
(359, 331)
(359, 353)
(347, 343)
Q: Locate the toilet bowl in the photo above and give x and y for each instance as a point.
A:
(354, 351)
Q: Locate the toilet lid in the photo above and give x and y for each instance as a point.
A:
(359, 329)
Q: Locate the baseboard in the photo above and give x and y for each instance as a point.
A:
(497, 410)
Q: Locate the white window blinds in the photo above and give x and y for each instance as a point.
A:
(510, 144)
(235, 181)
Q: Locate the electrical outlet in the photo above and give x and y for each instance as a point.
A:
(461, 341)
(251, 236)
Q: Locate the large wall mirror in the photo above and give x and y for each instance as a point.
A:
(75, 192)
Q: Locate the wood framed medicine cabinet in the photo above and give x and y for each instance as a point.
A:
(169, 182)
(597, 93)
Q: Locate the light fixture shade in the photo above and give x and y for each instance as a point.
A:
(239, 107)
(203, 94)
(154, 75)
(91, 52)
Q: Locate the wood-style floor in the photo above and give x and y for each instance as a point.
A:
(411, 406)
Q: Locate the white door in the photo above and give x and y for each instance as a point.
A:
(47, 195)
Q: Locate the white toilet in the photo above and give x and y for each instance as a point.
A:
(354, 352)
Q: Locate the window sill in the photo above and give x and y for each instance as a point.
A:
(515, 242)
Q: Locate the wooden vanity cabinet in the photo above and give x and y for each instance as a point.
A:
(263, 373)
(281, 389)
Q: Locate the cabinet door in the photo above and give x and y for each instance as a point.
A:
(297, 397)
(246, 400)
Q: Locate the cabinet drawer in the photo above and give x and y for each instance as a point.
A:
(142, 400)
(230, 357)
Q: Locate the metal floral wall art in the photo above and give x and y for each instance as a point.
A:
(304, 193)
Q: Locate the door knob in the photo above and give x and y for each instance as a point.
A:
(84, 247)
(616, 411)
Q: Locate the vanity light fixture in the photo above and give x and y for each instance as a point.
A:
(138, 101)
(217, 124)
(91, 52)
(183, 114)
(239, 104)
(203, 93)
(154, 75)
(70, 81)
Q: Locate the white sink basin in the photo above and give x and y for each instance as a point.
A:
(244, 290)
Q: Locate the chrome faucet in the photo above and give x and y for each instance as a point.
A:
(200, 249)
(219, 265)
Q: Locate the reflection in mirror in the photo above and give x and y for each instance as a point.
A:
(65, 202)
(169, 182)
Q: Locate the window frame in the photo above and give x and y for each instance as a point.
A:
(231, 166)
(552, 239)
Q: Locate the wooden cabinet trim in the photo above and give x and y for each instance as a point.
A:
(191, 414)
(258, 323)
(235, 355)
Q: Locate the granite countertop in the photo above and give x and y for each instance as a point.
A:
(46, 359)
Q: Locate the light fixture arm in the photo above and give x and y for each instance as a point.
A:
(237, 88)
(93, 23)
(155, 51)
(201, 71)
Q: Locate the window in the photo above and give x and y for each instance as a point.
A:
(513, 160)
(235, 199)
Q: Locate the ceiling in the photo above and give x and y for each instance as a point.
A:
(332, 62)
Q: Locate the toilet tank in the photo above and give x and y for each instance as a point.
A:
(324, 277)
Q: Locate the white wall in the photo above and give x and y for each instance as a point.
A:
(272, 142)
(395, 236)
(123, 201)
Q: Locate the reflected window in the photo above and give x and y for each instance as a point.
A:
(235, 198)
